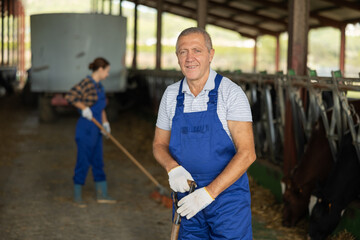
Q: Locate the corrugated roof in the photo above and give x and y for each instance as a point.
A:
(254, 18)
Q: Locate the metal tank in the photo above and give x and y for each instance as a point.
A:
(63, 45)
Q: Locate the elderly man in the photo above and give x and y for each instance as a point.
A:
(204, 133)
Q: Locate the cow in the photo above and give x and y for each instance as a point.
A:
(312, 170)
(341, 188)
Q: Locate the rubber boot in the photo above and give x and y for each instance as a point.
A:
(101, 193)
(77, 195)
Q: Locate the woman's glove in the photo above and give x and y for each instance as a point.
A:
(106, 126)
(87, 113)
(193, 203)
(178, 179)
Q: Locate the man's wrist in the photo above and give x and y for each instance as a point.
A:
(211, 191)
(172, 166)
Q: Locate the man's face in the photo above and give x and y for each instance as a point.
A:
(193, 57)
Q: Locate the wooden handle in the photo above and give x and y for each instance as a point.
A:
(175, 231)
(126, 153)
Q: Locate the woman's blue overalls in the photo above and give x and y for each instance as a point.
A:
(200, 144)
(89, 142)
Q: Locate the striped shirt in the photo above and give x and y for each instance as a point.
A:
(85, 92)
(232, 102)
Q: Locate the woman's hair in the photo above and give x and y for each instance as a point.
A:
(199, 30)
(98, 63)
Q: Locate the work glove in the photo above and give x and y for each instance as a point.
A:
(87, 113)
(193, 203)
(106, 126)
(178, 177)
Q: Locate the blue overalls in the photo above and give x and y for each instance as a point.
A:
(89, 142)
(200, 144)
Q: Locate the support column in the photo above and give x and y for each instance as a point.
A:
(110, 7)
(134, 62)
(277, 54)
(202, 13)
(120, 8)
(2, 30)
(297, 60)
(13, 33)
(159, 33)
(342, 49)
(8, 32)
(298, 35)
(255, 56)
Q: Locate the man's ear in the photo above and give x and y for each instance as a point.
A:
(212, 52)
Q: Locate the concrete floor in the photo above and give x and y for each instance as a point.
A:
(36, 168)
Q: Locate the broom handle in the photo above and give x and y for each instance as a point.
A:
(127, 153)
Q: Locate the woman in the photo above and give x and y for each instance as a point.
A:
(89, 97)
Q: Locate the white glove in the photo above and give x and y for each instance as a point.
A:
(106, 126)
(193, 203)
(87, 113)
(178, 177)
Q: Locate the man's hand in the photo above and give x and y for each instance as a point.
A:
(193, 203)
(106, 126)
(178, 179)
(87, 113)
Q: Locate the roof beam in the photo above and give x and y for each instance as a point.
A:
(251, 13)
(260, 29)
(344, 3)
(193, 13)
(215, 24)
(353, 21)
(327, 21)
(280, 5)
(315, 14)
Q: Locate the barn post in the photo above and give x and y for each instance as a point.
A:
(159, 33)
(342, 49)
(298, 28)
(202, 13)
(134, 62)
(277, 53)
(120, 8)
(255, 55)
(2, 30)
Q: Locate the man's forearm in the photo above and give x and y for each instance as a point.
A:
(233, 171)
(162, 155)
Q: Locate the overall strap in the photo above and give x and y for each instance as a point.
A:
(213, 94)
(180, 98)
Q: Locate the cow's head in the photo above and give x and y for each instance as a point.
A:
(296, 200)
(324, 218)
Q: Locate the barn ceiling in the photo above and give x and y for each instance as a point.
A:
(254, 18)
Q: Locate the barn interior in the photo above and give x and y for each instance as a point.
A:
(43, 54)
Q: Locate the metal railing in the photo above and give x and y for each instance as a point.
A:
(267, 94)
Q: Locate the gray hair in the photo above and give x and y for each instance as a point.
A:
(193, 30)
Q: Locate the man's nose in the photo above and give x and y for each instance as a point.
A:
(189, 56)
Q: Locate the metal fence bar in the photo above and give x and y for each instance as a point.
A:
(270, 122)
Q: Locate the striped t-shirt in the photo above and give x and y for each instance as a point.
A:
(232, 102)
